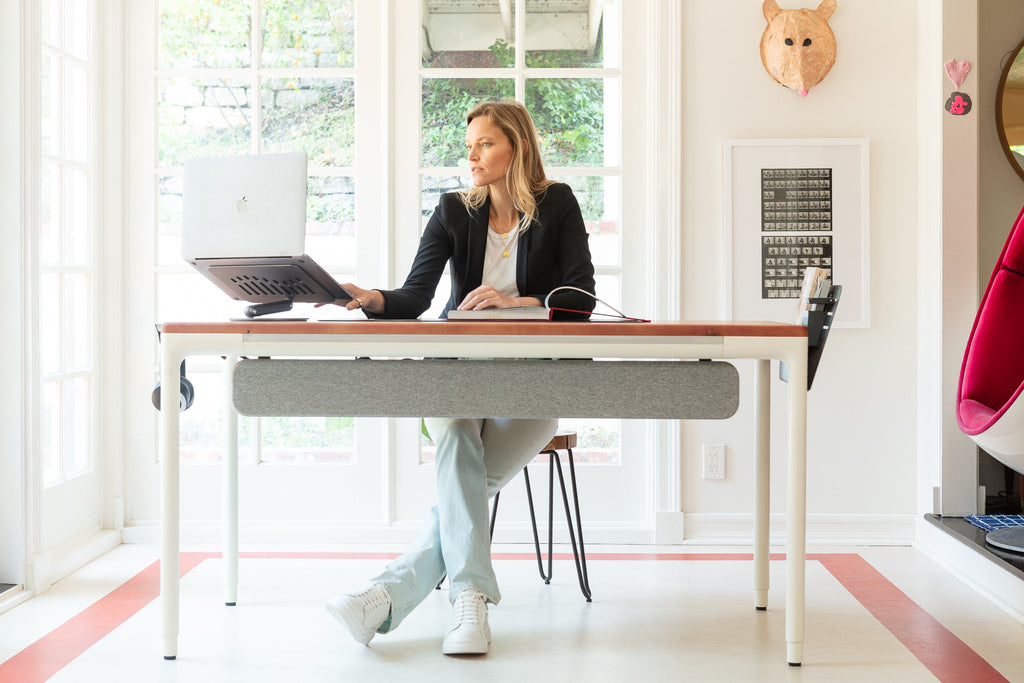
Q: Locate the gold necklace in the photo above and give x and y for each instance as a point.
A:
(507, 250)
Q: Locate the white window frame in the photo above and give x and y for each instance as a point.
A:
(397, 209)
(69, 523)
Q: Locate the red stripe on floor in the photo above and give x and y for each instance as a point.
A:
(51, 653)
(946, 656)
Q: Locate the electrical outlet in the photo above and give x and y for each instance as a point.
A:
(714, 461)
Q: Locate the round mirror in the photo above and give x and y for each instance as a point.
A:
(1010, 110)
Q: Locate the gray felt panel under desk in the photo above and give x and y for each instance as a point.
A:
(493, 388)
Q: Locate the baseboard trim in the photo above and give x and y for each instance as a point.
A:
(1001, 587)
(671, 529)
(822, 529)
(47, 568)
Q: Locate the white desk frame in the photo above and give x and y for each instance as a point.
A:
(762, 342)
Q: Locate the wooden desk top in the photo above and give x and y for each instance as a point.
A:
(490, 327)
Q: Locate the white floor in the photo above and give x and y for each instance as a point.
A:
(651, 619)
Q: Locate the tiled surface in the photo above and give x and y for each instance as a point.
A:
(990, 522)
(873, 614)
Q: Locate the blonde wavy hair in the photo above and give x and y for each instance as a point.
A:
(524, 178)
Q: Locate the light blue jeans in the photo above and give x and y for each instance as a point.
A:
(475, 458)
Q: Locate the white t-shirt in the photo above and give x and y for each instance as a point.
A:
(500, 271)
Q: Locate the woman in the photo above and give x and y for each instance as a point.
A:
(510, 239)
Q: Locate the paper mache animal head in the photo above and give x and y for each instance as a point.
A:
(798, 47)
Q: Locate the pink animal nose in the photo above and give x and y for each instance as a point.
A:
(803, 93)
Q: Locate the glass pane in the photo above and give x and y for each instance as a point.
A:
(78, 219)
(49, 323)
(168, 221)
(78, 28)
(78, 418)
(598, 441)
(49, 103)
(609, 290)
(202, 117)
(564, 35)
(204, 34)
(310, 115)
(599, 201)
(49, 433)
(49, 213)
(190, 296)
(50, 21)
(308, 33)
(469, 34)
(432, 189)
(569, 115)
(201, 437)
(78, 114)
(309, 440)
(446, 101)
(331, 221)
(77, 322)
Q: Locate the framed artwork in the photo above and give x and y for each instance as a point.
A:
(790, 204)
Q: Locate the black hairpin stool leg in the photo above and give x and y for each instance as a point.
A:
(581, 556)
(536, 537)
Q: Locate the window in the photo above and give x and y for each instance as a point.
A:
(561, 59)
(240, 77)
(65, 246)
(379, 109)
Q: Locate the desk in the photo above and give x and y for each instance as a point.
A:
(761, 341)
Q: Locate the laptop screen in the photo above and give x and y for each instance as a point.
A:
(244, 206)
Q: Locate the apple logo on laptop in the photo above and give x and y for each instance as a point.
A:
(243, 205)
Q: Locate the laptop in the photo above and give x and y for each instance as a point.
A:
(244, 228)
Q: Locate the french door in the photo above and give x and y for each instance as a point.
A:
(376, 94)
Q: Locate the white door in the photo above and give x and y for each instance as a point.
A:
(563, 60)
(63, 335)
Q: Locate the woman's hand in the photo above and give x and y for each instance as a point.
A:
(369, 299)
(486, 296)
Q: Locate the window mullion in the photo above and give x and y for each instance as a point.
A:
(520, 50)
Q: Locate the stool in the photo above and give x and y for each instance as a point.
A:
(562, 441)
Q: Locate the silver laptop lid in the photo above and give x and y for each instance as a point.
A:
(242, 206)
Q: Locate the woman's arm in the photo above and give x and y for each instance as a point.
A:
(436, 245)
(571, 263)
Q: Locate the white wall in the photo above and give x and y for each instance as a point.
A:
(866, 428)
(862, 435)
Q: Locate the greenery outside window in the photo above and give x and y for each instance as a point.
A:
(245, 77)
(560, 58)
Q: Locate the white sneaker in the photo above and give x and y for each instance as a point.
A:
(468, 633)
(361, 613)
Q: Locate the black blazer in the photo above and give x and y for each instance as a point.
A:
(554, 251)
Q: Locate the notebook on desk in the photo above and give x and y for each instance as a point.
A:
(244, 228)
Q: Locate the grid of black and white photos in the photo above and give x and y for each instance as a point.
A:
(796, 228)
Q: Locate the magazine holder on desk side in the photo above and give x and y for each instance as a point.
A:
(820, 316)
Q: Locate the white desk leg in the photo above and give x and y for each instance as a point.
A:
(796, 532)
(229, 453)
(762, 509)
(170, 363)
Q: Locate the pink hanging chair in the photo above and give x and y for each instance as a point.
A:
(988, 408)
